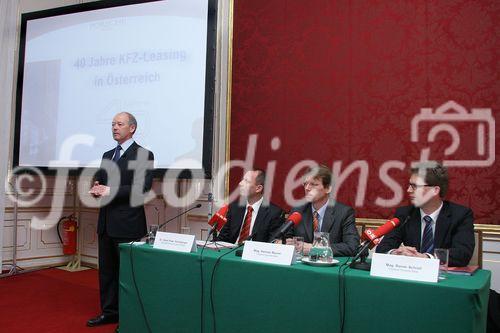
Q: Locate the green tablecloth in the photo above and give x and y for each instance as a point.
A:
(254, 297)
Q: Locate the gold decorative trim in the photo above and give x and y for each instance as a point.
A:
(368, 221)
(35, 258)
(49, 191)
(489, 229)
(89, 256)
(197, 217)
(38, 267)
(21, 224)
(90, 265)
(229, 92)
(88, 210)
(35, 209)
(489, 260)
(55, 265)
(55, 245)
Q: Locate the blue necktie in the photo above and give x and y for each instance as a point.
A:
(116, 156)
(427, 237)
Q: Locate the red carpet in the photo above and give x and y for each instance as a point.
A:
(50, 301)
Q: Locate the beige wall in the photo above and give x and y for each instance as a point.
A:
(8, 10)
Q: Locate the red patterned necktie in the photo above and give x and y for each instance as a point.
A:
(315, 221)
(245, 229)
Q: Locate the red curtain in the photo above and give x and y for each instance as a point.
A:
(340, 82)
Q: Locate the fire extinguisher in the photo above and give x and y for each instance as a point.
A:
(68, 238)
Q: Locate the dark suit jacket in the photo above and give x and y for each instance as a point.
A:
(338, 221)
(269, 219)
(454, 231)
(118, 218)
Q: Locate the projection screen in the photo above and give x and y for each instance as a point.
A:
(80, 65)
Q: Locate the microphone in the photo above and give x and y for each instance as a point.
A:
(293, 219)
(371, 238)
(173, 218)
(218, 220)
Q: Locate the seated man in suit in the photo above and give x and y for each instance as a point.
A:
(256, 216)
(432, 222)
(322, 213)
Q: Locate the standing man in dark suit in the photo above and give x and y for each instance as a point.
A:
(125, 175)
(255, 215)
(321, 213)
(433, 223)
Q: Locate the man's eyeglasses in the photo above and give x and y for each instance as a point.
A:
(414, 186)
(311, 184)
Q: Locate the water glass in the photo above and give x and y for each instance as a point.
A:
(152, 229)
(298, 242)
(443, 256)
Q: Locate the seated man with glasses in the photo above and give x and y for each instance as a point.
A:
(323, 214)
(432, 222)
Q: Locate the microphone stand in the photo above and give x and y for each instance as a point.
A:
(169, 220)
(213, 233)
(157, 216)
(363, 254)
(173, 218)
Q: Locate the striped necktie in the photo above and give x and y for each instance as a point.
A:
(315, 221)
(428, 236)
(245, 229)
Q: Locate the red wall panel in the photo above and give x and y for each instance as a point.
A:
(340, 81)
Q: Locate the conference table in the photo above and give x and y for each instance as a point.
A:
(165, 291)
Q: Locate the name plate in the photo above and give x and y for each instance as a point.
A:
(269, 253)
(174, 242)
(405, 268)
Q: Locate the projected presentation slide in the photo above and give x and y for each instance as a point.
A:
(81, 69)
